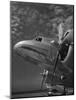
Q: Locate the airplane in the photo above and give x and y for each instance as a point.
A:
(38, 49)
(58, 74)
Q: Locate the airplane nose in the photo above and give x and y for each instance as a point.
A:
(23, 43)
(18, 45)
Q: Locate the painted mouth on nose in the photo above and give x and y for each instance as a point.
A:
(33, 49)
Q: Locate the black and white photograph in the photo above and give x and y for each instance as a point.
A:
(42, 49)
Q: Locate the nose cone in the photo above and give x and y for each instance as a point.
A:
(22, 48)
(29, 50)
(23, 43)
(18, 45)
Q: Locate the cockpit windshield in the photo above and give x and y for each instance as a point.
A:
(38, 39)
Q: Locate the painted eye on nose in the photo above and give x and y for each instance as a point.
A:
(38, 39)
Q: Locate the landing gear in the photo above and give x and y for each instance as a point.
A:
(44, 74)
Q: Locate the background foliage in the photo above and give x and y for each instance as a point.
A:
(30, 19)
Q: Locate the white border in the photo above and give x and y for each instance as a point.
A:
(50, 1)
(5, 48)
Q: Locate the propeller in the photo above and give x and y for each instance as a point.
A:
(60, 45)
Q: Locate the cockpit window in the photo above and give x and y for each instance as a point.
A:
(38, 39)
